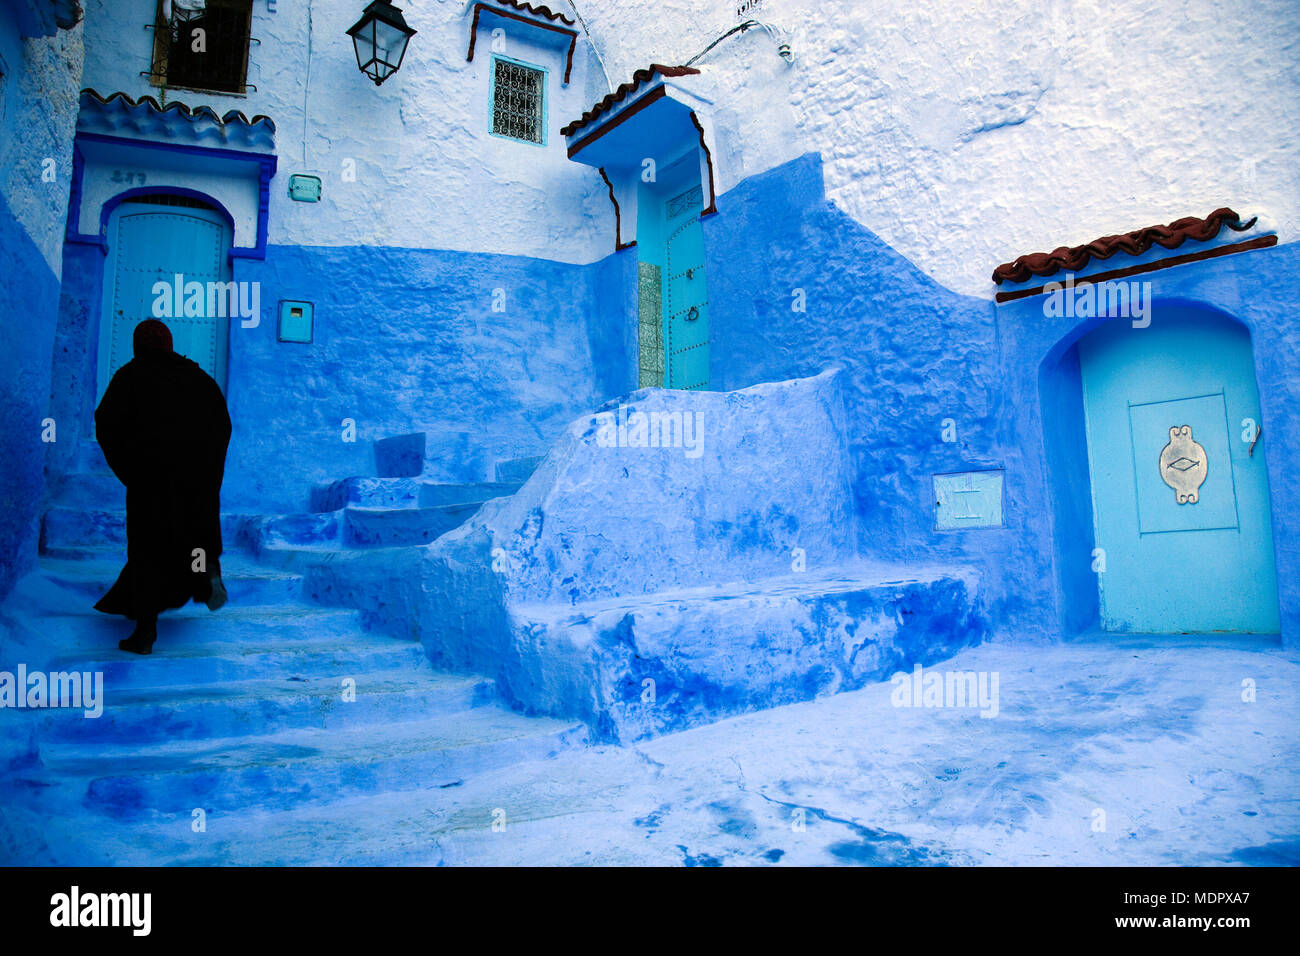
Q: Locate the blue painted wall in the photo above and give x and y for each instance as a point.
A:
(916, 353)
(29, 297)
(492, 355)
(1007, 376)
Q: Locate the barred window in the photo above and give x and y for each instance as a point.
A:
(202, 46)
(518, 101)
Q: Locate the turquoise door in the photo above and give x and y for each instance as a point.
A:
(1180, 496)
(148, 244)
(686, 302)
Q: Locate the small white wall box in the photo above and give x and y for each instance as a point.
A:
(969, 499)
(295, 321)
(304, 188)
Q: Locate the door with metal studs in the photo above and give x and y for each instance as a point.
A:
(148, 244)
(686, 301)
(1176, 452)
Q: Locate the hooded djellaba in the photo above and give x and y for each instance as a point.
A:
(164, 429)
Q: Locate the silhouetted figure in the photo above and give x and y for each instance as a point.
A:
(164, 428)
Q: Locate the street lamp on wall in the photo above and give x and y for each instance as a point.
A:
(379, 38)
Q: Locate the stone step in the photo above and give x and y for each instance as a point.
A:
(92, 572)
(266, 706)
(518, 469)
(273, 653)
(301, 766)
(717, 651)
(83, 527)
(389, 527)
(89, 491)
(434, 494)
(405, 493)
(66, 528)
(372, 492)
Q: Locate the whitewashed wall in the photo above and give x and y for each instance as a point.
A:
(427, 172)
(965, 134)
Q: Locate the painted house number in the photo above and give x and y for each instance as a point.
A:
(129, 176)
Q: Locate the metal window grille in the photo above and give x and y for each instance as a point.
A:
(220, 62)
(517, 101)
(168, 199)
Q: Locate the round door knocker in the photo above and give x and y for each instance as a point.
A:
(692, 315)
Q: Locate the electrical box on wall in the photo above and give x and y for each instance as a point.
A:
(295, 321)
(971, 499)
(303, 188)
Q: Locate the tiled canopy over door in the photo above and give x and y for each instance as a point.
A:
(149, 244)
(1179, 487)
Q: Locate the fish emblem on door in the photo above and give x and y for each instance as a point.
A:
(1183, 465)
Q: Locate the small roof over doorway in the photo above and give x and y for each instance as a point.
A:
(653, 117)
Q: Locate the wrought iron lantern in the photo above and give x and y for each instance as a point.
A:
(379, 38)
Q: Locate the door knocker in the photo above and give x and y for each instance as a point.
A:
(692, 315)
(1183, 465)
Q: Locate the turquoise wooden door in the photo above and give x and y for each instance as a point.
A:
(1180, 500)
(148, 244)
(686, 301)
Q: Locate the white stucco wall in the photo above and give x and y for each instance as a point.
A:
(233, 184)
(968, 134)
(428, 174)
(962, 134)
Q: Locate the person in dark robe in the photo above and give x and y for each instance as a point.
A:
(164, 429)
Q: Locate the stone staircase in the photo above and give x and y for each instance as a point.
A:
(269, 707)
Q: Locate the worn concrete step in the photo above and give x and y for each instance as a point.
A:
(434, 494)
(271, 652)
(388, 527)
(372, 492)
(64, 529)
(405, 493)
(84, 527)
(92, 573)
(267, 531)
(819, 632)
(518, 469)
(94, 491)
(267, 706)
(302, 766)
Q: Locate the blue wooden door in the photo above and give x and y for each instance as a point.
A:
(148, 244)
(1180, 498)
(686, 301)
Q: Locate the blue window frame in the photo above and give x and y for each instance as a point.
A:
(518, 101)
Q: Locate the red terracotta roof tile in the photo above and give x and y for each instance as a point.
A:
(538, 11)
(1074, 258)
(639, 78)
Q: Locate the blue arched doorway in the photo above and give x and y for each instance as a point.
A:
(1176, 469)
(152, 239)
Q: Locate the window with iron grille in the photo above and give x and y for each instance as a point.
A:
(202, 46)
(518, 101)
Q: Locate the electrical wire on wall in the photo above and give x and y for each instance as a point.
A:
(782, 44)
(306, 88)
(599, 59)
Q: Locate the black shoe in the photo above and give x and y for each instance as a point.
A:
(218, 597)
(138, 643)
